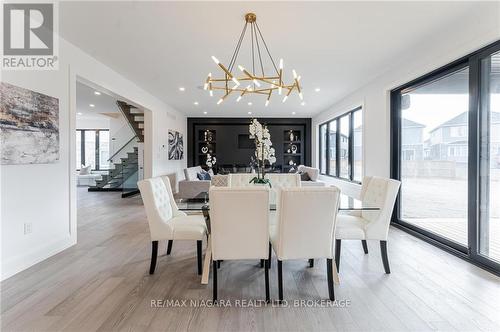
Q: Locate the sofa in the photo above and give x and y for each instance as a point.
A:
(191, 186)
(88, 180)
(313, 174)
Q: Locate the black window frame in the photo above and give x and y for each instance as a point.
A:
(470, 251)
(350, 148)
(97, 145)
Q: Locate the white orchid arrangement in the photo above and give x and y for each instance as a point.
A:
(211, 161)
(264, 152)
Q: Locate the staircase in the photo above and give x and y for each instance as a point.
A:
(135, 118)
(116, 179)
(120, 173)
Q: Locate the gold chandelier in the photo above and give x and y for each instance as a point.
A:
(256, 83)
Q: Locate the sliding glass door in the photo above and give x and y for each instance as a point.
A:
(489, 212)
(434, 141)
(445, 148)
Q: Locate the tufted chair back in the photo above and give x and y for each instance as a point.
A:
(239, 219)
(380, 192)
(280, 181)
(240, 179)
(159, 204)
(306, 222)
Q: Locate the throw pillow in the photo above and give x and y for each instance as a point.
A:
(304, 176)
(204, 175)
(85, 170)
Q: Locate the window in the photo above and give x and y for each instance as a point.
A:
(322, 146)
(434, 189)
(341, 146)
(332, 148)
(450, 181)
(92, 148)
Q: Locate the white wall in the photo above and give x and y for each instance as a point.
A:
(480, 28)
(45, 195)
(92, 123)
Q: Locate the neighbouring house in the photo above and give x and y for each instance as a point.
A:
(412, 140)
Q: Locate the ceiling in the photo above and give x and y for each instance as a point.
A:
(103, 103)
(334, 46)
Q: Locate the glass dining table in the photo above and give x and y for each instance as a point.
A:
(201, 204)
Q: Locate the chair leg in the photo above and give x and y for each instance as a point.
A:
(266, 275)
(311, 262)
(214, 278)
(329, 275)
(154, 255)
(269, 257)
(385, 259)
(169, 246)
(198, 253)
(262, 263)
(280, 281)
(338, 243)
(365, 246)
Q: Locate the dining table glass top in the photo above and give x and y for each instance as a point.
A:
(202, 202)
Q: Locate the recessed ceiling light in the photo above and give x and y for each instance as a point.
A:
(79, 113)
(303, 103)
(196, 103)
(317, 89)
(293, 113)
(91, 105)
(249, 113)
(182, 89)
(249, 103)
(97, 93)
(205, 112)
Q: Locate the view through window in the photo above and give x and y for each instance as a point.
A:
(434, 156)
(341, 146)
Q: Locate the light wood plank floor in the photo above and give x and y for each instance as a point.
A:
(103, 284)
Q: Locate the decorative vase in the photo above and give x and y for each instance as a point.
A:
(291, 136)
(294, 148)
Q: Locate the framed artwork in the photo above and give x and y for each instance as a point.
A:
(175, 145)
(29, 126)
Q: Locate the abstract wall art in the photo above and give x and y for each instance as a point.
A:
(175, 145)
(29, 126)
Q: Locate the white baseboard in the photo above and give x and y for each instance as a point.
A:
(17, 264)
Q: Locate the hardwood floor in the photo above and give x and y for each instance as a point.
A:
(103, 284)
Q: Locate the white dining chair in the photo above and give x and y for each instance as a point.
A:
(240, 179)
(165, 220)
(239, 224)
(369, 224)
(305, 228)
(280, 181)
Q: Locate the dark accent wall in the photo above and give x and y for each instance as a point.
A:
(231, 138)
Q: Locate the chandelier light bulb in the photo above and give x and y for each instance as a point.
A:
(240, 67)
(205, 86)
(279, 90)
(256, 83)
(235, 81)
(281, 63)
(238, 99)
(211, 93)
(267, 103)
(220, 101)
(294, 74)
(301, 96)
(215, 59)
(284, 99)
